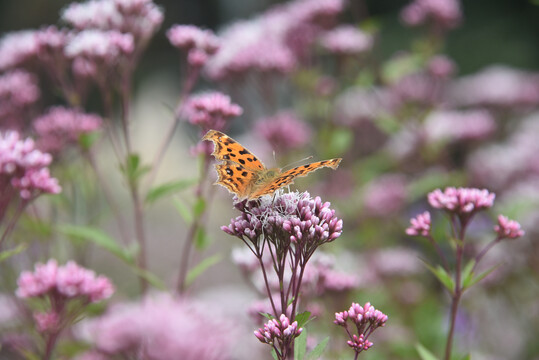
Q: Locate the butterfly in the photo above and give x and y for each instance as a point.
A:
(244, 175)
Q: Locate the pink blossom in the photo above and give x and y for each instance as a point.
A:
(61, 126)
(98, 45)
(496, 86)
(459, 125)
(385, 195)
(161, 328)
(66, 281)
(461, 200)
(210, 110)
(35, 182)
(284, 131)
(140, 18)
(508, 229)
(366, 319)
(281, 330)
(420, 225)
(39, 282)
(420, 88)
(445, 14)
(346, 39)
(357, 104)
(46, 321)
(441, 66)
(16, 48)
(189, 37)
(19, 91)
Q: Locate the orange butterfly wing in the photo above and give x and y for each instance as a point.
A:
(288, 177)
(227, 148)
(243, 174)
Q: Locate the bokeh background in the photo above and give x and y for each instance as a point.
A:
(499, 319)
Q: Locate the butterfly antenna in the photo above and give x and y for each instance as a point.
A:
(297, 162)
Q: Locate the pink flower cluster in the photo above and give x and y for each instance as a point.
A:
(161, 328)
(210, 110)
(141, 18)
(420, 225)
(508, 229)
(385, 195)
(284, 131)
(16, 48)
(100, 46)
(68, 281)
(346, 40)
(278, 330)
(459, 125)
(461, 200)
(366, 319)
(61, 126)
(199, 44)
(18, 92)
(275, 41)
(444, 14)
(24, 167)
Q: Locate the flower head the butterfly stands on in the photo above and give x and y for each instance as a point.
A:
(291, 227)
(460, 205)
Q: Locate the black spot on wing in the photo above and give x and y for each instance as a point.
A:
(242, 161)
(244, 151)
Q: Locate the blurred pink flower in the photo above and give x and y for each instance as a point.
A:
(284, 131)
(100, 46)
(445, 14)
(68, 281)
(497, 86)
(461, 200)
(61, 126)
(458, 125)
(508, 229)
(385, 195)
(23, 170)
(346, 40)
(420, 88)
(19, 91)
(420, 225)
(16, 48)
(391, 262)
(440, 66)
(140, 18)
(46, 321)
(210, 110)
(199, 44)
(358, 104)
(161, 328)
(273, 42)
(507, 163)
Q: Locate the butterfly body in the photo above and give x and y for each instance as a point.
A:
(244, 175)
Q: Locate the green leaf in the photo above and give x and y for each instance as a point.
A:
(340, 141)
(467, 357)
(201, 239)
(274, 354)
(303, 318)
(442, 275)
(6, 254)
(467, 274)
(424, 354)
(199, 206)
(201, 267)
(183, 210)
(167, 189)
(97, 237)
(88, 139)
(482, 276)
(149, 277)
(300, 346)
(318, 349)
(133, 169)
(266, 315)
